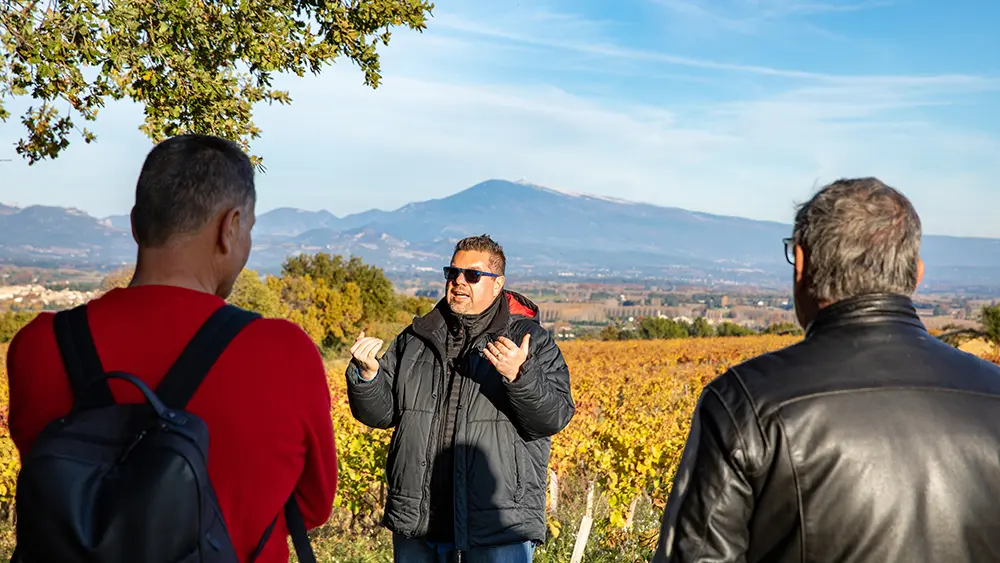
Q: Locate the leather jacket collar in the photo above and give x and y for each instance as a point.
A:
(866, 309)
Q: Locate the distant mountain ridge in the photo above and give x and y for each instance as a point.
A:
(545, 232)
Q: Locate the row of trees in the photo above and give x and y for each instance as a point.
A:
(661, 328)
(653, 328)
(331, 298)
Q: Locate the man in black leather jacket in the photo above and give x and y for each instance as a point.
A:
(474, 390)
(869, 441)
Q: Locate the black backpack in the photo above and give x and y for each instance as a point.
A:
(128, 483)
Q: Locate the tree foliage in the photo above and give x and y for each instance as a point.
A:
(118, 278)
(253, 293)
(654, 328)
(414, 306)
(658, 328)
(13, 321)
(733, 329)
(195, 66)
(701, 329)
(376, 292)
(331, 298)
(784, 329)
(990, 319)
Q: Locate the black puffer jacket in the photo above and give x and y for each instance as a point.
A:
(501, 438)
(870, 441)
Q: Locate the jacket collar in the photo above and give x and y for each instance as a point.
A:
(433, 327)
(866, 310)
(474, 325)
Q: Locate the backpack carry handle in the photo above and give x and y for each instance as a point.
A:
(161, 409)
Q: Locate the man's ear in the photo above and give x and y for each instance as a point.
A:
(498, 283)
(229, 229)
(920, 271)
(131, 216)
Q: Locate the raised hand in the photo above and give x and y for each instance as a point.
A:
(363, 352)
(506, 356)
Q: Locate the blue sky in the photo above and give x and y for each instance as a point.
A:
(739, 107)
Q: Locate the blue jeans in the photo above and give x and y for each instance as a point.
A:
(417, 550)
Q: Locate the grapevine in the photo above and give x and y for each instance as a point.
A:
(634, 401)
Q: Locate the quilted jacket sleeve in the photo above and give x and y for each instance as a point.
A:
(708, 511)
(540, 395)
(373, 403)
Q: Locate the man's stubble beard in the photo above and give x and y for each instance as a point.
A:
(459, 308)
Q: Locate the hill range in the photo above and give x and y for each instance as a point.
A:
(545, 233)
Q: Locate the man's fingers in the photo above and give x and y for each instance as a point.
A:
(496, 350)
(358, 345)
(364, 350)
(490, 356)
(526, 343)
(506, 342)
(371, 348)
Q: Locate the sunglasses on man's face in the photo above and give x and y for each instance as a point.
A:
(451, 274)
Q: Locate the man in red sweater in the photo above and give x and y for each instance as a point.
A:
(266, 401)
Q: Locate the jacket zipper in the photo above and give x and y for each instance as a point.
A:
(425, 497)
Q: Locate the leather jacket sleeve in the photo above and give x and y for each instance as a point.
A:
(708, 510)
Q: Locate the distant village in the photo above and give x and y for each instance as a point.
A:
(569, 310)
(34, 297)
(572, 310)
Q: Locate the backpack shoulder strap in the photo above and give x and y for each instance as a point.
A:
(79, 355)
(297, 529)
(197, 359)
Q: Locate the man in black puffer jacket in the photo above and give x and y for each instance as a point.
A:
(870, 441)
(474, 390)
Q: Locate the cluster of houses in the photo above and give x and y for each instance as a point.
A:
(34, 297)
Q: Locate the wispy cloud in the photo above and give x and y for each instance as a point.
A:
(745, 14)
(560, 99)
(762, 17)
(750, 157)
(614, 51)
(784, 8)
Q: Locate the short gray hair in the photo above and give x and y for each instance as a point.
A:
(184, 181)
(859, 237)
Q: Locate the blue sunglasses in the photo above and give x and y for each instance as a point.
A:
(451, 273)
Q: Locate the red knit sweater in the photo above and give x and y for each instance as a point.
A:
(266, 402)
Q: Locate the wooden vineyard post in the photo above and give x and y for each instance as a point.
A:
(585, 524)
(631, 512)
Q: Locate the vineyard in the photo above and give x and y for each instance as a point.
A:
(634, 402)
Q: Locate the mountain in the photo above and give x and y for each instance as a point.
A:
(287, 221)
(47, 235)
(545, 232)
(123, 222)
(549, 232)
(573, 230)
